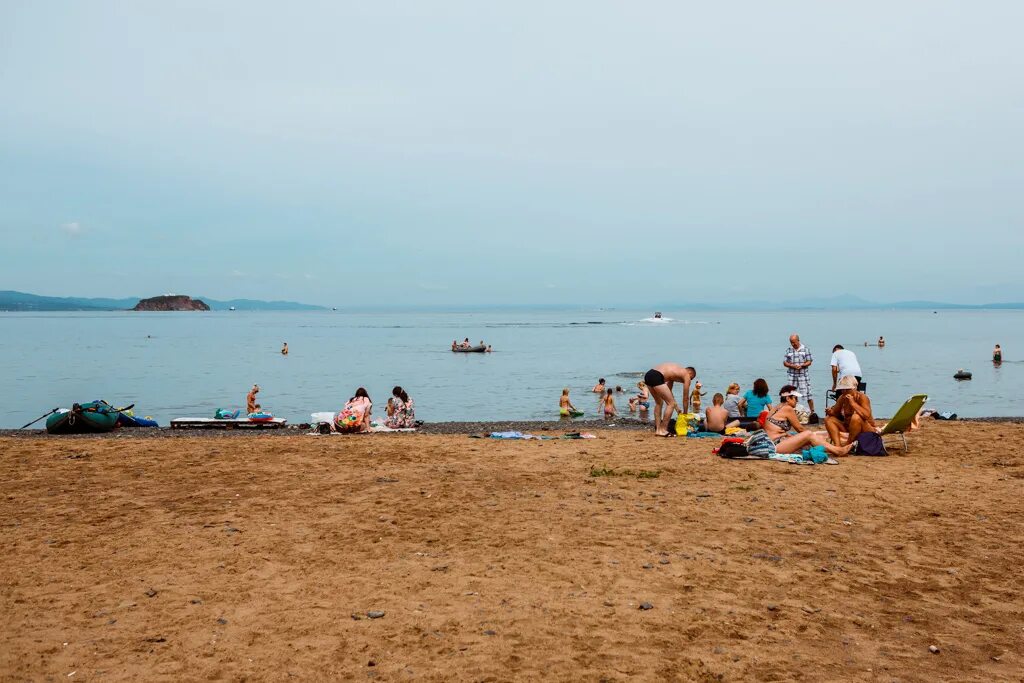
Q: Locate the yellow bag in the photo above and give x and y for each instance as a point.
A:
(683, 423)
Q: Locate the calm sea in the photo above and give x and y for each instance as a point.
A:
(190, 364)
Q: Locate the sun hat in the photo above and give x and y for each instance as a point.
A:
(790, 393)
(847, 383)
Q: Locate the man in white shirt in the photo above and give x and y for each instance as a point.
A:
(844, 364)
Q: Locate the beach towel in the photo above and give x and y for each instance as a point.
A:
(517, 435)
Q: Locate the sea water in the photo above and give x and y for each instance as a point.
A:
(189, 364)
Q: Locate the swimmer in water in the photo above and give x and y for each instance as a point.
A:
(599, 387)
(565, 406)
(997, 354)
(284, 349)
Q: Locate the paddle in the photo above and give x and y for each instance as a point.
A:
(40, 418)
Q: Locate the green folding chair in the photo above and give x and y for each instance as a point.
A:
(900, 422)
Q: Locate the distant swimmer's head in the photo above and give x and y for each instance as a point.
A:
(610, 392)
(601, 381)
(565, 391)
(717, 399)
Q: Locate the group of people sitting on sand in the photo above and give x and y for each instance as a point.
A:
(355, 416)
(358, 410)
(845, 421)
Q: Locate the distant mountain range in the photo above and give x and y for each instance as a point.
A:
(21, 301)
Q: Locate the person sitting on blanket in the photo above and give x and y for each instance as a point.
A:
(851, 413)
(780, 421)
(401, 414)
(716, 417)
(355, 416)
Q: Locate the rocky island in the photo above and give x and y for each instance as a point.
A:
(171, 302)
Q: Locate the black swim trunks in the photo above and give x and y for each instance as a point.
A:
(653, 378)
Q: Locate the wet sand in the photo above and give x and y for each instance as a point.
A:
(260, 557)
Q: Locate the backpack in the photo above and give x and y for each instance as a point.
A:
(733, 450)
(869, 443)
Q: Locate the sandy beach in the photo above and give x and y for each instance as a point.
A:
(256, 557)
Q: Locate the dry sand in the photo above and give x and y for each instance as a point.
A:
(259, 558)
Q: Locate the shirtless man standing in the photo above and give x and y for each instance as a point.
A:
(851, 413)
(659, 381)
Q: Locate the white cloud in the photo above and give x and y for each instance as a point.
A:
(74, 228)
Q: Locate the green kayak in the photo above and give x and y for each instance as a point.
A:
(85, 418)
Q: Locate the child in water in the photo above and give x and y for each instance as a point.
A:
(609, 404)
(695, 398)
(565, 406)
(642, 400)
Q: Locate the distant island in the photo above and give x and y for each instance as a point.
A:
(22, 301)
(171, 302)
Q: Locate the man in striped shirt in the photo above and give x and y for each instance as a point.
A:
(797, 362)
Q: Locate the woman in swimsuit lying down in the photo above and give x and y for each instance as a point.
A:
(784, 418)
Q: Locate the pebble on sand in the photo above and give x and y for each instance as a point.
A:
(646, 606)
(375, 614)
(934, 650)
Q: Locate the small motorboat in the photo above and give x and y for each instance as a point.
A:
(962, 374)
(94, 417)
(481, 348)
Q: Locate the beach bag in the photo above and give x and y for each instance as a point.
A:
(869, 443)
(759, 445)
(680, 427)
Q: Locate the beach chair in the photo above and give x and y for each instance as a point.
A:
(900, 422)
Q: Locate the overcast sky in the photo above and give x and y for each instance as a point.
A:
(527, 152)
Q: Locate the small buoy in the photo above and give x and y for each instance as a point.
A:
(961, 374)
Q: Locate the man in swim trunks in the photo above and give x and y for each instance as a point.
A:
(851, 413)
(659, 381)
(599, 387)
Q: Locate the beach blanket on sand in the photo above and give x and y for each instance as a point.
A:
(323, 423)
(524, 437)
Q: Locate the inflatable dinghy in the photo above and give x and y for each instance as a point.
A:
(962, 374)
(471, 349)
